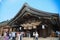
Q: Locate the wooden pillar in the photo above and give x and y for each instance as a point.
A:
(10, 29)
(44, 33)
(2, 30)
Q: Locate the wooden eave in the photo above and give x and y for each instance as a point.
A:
(27, 8)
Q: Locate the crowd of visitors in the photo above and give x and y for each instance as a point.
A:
(19, 35)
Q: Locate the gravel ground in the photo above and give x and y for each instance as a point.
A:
(26, 38)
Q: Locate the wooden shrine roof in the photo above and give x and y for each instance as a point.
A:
(27, 8)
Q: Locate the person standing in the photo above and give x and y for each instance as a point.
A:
(58, 32)
(13, 35)
(6, 36)
(28, 34)
(10, 36)
(21, 35)
(59, 36)
(0, 35)
(36, 36)
(18, 36)
(33, 35)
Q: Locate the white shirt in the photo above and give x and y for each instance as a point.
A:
(5, 33)
(18, 35)
(13, 34)
(10, 34)
(33, 33)
(58, 33)
(36, 35)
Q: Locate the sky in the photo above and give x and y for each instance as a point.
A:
(9, 8)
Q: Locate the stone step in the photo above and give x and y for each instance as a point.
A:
(48, 38)
(40, 38)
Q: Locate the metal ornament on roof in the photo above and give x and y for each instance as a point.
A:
(29, 27)
(35, 23)
(34, 27)
(25, 27)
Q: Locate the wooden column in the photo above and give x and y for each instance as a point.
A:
(2, 30)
